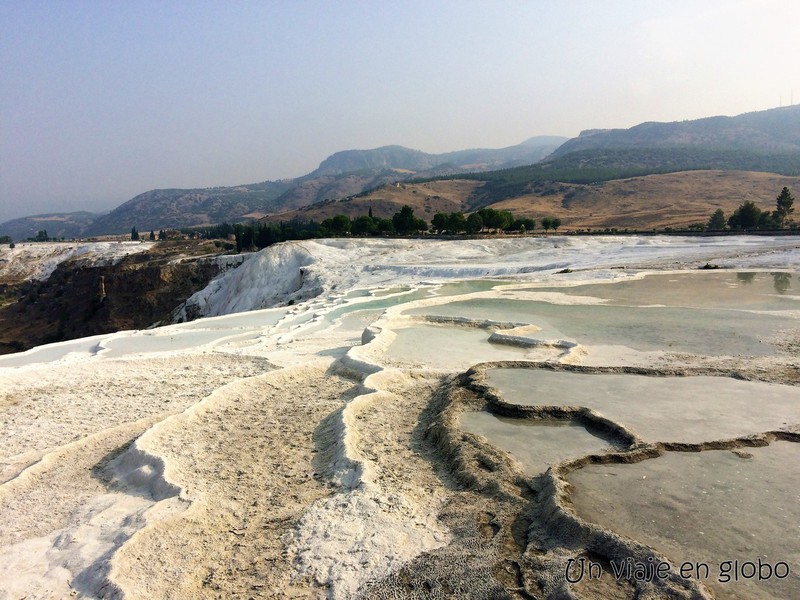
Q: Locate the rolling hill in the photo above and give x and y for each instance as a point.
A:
(57, 225)
(164, 209)
(765, 142)
(775, 131)
(340, 175)
(660, 200)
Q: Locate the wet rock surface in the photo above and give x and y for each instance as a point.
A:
(301, 451)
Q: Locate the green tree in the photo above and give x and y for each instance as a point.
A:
(439, 222)
(547, 223)
(152, 235)
(555, 223)
(784, 206)
(238, 231)
(474, 223)
(717, 221)
(364, 225)
(496, 219)
(456, 222)
(385, 226)
(767, 220)
(134, 234)
(405, 222)
(746, 217)
(489, 217)
(523, 225)
(340, 224)
(247, 241)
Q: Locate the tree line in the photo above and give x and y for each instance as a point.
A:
(748, 217)
(162, 235)
(253, 236)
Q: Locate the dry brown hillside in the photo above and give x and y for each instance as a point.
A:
(425, 198)
(670, 200)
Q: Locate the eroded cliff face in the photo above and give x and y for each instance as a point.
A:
(81, 299)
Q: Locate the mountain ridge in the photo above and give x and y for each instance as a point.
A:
(341, 174)
(57, 225)
(764, 141)
(773, 130)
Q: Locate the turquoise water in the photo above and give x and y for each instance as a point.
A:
(731, 290)
(450, 348)
(700, 331)
(469, 286)
(380, 303)
(403, 295)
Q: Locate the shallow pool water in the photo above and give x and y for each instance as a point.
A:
(389, 291)
(256, 319)
(699, 331)
(380, 303)
(535, 444)
(161, 341)
(659, 409)
(468, 286)
(706, 507)
(53, 352)
(384, 299)
(451, 348)
(733, 290)
(359, 320)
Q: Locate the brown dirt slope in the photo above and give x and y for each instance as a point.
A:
(669, 200)
(425, 198)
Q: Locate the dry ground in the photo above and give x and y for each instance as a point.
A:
(671, 200)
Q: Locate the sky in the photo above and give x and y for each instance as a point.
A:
(103, 100)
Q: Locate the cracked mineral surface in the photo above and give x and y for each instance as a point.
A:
(423, 419)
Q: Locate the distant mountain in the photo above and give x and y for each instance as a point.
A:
(341, 175)
(352, 172)
(57, 225)
(378, 159)
(766, 141)
(775, 131)
(664, 200)
(404, 159)
(530, 151)
(176, 208)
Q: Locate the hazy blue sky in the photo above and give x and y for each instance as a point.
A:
(100, 101)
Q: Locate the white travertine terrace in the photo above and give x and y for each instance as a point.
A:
(303, 440)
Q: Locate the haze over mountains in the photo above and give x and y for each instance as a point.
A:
(765, 141)
(340, 175)
(770, 131)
